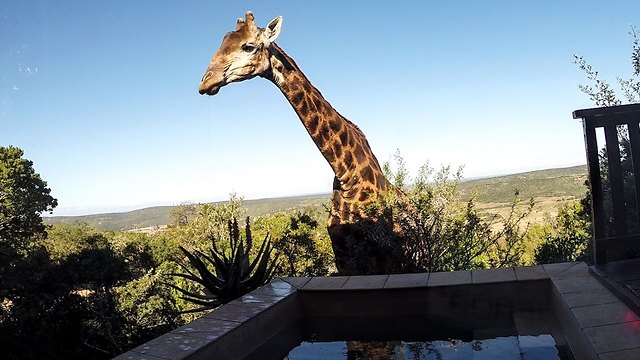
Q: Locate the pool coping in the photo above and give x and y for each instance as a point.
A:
(595, 323)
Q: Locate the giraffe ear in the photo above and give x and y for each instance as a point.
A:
(273, 29)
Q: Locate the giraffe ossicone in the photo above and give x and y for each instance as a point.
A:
(251, 51)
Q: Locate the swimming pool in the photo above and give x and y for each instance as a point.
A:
(466, 305)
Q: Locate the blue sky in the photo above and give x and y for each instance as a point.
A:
(102, 95)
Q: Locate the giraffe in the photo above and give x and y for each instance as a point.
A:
(250, 51)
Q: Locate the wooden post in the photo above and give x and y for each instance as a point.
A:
(608, 247)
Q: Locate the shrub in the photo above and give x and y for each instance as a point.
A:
(233, 275)
(303, 246)
(429, 228)
(567, 237)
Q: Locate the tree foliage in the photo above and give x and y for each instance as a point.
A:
(303, 246)
(567, 237)
(182, 214)
(23, 198)
(62, 299)
(435, 229)
(600, 91)
(85, 293)
(194, 225)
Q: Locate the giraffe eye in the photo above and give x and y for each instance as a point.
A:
(248, 48)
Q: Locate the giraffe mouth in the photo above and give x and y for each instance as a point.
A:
(210, 90)
(213, 90)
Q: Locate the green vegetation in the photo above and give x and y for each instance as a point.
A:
(23, 197)
(301, 240)
(83, 293)
(603, 94)
(567, 183)
(233, 276)
(74, 291)
(549, 188)
(159, 216)
(438, 229)
(567, 237)
(600, 91)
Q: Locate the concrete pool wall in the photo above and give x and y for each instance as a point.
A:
(580, 312)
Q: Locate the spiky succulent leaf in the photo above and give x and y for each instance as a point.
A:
(221, 265)
(249, 239)
(218, 266)
(206, 305)
(209, 280)
(235, 273)
(266, 242)
(264, 271)
(192, 294)
(261, 269)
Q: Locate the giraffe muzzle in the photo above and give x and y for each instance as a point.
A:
(211, 83)
(210, 92)
(209, 89)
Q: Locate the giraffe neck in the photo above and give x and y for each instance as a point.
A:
(341, 142)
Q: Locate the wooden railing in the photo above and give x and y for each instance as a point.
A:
(615, 188)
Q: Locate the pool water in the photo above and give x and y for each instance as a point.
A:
(540, 347)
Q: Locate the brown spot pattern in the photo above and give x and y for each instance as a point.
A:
(340, 141)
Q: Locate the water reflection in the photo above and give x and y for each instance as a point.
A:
(504, 348)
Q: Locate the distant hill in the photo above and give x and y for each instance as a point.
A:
(161, 215)
(551, 183)
(549, 188)
(141, 218)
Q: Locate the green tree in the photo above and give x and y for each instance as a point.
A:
(304, 248)
(23, 198)
(61, 306)
(567, 237)
(146, 308)
(195, 230)
(182, 214)
(600, 91)
(85, 293)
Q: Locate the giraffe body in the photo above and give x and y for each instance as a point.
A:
(250, 51)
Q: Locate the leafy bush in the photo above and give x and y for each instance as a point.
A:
(603, 94)
(303, 246)
(428, 228)
(83, 293)
(194, 231)
(567, 237)
(147, 309)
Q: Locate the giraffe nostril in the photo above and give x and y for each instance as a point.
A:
(206, 76)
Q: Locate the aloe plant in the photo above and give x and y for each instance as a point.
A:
(233, 275)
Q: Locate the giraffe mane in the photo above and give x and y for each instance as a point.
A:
(285, 59)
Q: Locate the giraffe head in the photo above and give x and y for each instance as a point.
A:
(243, 54)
